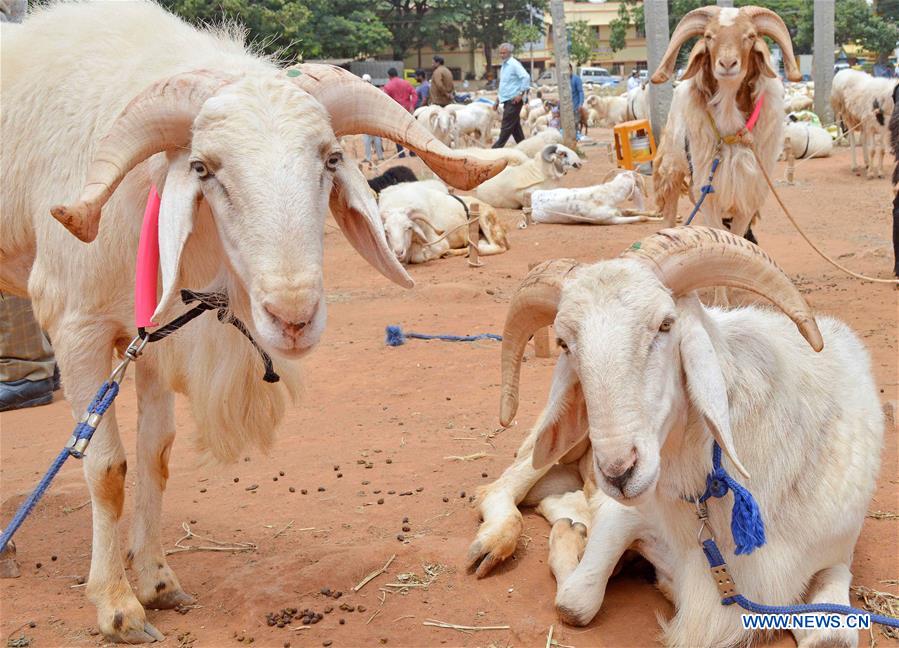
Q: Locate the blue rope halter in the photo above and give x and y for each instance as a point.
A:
(748, 531)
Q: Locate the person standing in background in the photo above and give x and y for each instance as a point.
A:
(371, 141)
(442, 89)
(423, 90)
(514, 83)
(577, 93)
(402, 92)
(633, 81)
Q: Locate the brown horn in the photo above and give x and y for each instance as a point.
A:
(693, 24)
(688, 258)
(533, 306)
(359, 107)
(770, 24)
(158, 119)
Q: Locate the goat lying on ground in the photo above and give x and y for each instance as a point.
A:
(643, 387)
(392, 176)
(729, 72)
(864, 104)
(422, 221)
(535, 143)
(597, 205)
(807, 140)
(247, 161)
(513, 187)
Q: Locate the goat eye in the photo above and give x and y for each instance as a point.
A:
(666, 325)
(562, 344)
(200, 169)
(333, 160)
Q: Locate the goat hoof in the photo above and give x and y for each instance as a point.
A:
(570, 617)
(492, 546)
(131, 629)
(169, 600)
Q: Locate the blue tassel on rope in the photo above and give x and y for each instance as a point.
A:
(396, 337)
(746, 522)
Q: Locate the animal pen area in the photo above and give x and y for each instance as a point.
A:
(361, 525)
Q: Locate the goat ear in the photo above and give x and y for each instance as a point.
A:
(762, 58)
(180, 196)
(705, 380)
(356, 212)
(563, 422)
(699, 55)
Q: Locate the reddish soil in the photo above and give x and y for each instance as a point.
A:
(405, 410)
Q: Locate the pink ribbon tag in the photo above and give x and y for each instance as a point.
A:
(755, 113)
(147, 271)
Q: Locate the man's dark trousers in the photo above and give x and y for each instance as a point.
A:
(511, 125)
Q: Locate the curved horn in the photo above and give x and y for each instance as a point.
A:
(693, 24)
(689, 258)
(533, 306)
(770, 24)
(158, 119)
(359, 107)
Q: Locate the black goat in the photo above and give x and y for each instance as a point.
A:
(392, 176)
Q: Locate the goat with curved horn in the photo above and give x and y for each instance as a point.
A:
(684, 259)
(358, 107)
(692, 24)
(158, 119)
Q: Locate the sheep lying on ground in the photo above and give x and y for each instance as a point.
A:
(864, 104)
(104, 99)
(513, 187)
(536, 143)
(807, 140)
(643, 388)
(597, 205)
(439, 121)
(729, 72)
(392, 176)
(423, 221)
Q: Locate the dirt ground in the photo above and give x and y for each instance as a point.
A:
(368, 445)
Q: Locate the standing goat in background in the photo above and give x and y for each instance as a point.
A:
(864, 105)
(729, 73)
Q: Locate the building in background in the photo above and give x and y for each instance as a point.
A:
(467, 62)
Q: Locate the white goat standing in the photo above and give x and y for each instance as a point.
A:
(247, 161)
(597, 205)
(864, 104)
(474, 121)
(728, 72)
(439, 121)
(644, 386)
(512, 188)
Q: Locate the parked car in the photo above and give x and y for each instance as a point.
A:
(599, 76)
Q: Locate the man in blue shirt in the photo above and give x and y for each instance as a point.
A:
(577, 93)
(514, 83)
(423, 89)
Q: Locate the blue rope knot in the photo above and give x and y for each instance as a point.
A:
(746, 522)
(704, 191)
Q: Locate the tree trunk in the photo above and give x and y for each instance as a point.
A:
(488, 52)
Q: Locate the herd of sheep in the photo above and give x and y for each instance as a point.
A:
(103, 102)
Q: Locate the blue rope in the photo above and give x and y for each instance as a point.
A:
(83, 432)
(704, 191)
(746, 523)
(396, 337)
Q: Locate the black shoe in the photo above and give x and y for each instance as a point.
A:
(20, 394)
(56, 383)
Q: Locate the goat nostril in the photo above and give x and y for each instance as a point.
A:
(620, 472)
(621, 480)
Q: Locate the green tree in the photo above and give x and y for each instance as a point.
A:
(294, 29)
(582, 40)
(414, 23)
(519, 33)
(483, 22)
(618, 28)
